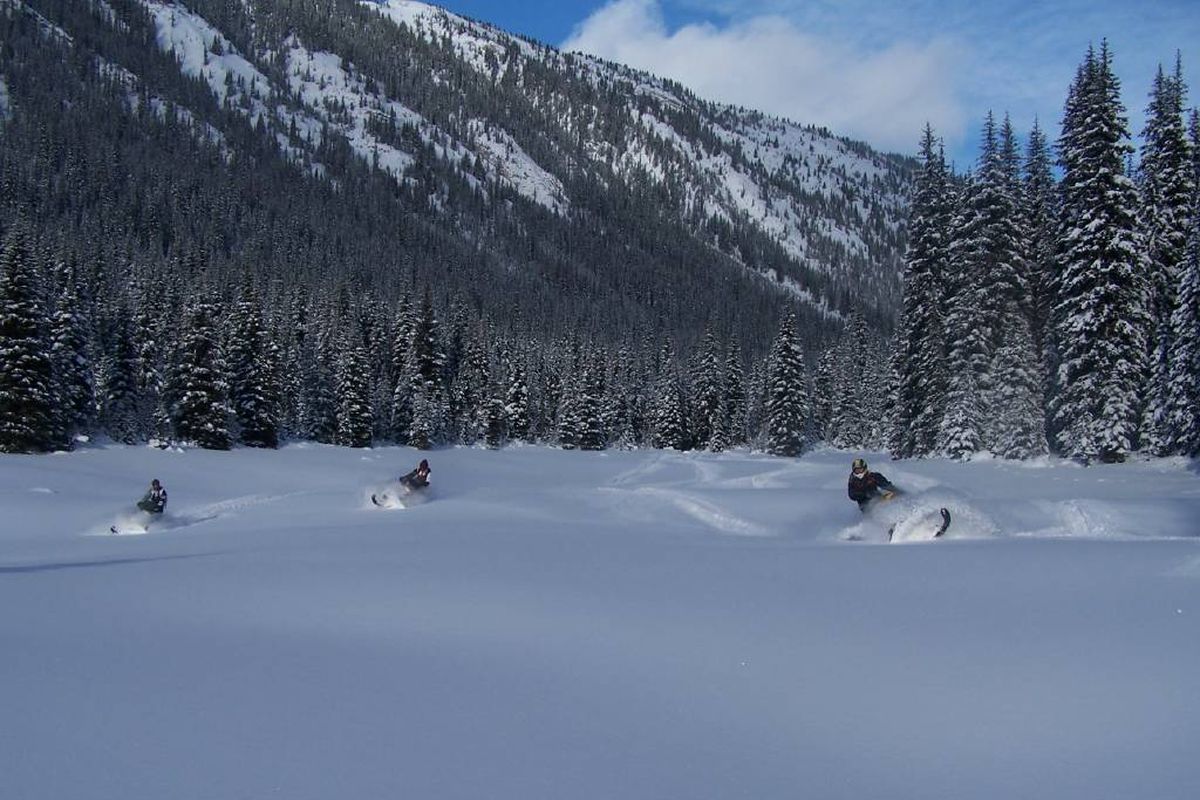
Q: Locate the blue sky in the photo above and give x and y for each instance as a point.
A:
(873, 69)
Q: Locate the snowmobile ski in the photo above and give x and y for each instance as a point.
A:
(945, 522)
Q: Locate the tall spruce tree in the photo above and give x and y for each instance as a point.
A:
(1039, 210)
(28, 421)
(469, 391)
(968, 328)
(421, 428)
(1100, 317)
(735, 396)
(72, 367)
(253, 387)
(1020, 423)
(1184, 384)
(199, 393)
(516, 401)
(854, 401)
(1166, 185)
(118, 393)
(152, 345)
(789, 408)
(825, 393)
(708, 387)
(354, 422)
(921, 363)
(668, 421)
(988, 289)
(589, 400)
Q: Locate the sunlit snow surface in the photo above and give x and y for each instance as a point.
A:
(594, 625)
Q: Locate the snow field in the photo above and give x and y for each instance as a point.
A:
(593, 625)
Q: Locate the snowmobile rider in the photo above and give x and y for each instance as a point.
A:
(419, 477)
(155, 499)
(865, 485)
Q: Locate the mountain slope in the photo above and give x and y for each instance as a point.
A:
(551, 189)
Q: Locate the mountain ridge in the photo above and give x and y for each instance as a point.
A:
(451, 108)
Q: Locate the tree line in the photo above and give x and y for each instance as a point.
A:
(183, 357)
(1057, 312)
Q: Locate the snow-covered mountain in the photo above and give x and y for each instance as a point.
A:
(477, 123)
(830, 203)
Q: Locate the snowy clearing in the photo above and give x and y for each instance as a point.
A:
(594, 625)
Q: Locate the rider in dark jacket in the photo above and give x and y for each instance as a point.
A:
(418, 478)
(865, 485)
(155, 499)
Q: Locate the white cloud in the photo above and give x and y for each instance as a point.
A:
(883, 96)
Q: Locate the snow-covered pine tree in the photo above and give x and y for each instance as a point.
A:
(545, 392)
(291, 330)
(118, 386)
(789, 407)
(614, 411)
(877, 382)
(1100, 317)
(1040, 215)
(570, 369)
(516, 400)
(959, 434)
(375, 325)
(853, 404)
(735, 396)
(253, 387)
(589, 400)
(199, 411)
(354, 422)
(427, 354)
(756, 403)
(319, 404)
(968, 357)
(987, 286)
(892, 433)
(1020, 424)
(27, 404)
(824, 393)
(494, 424)
(1184, 386)
(72, 367)
(150, 350)
(567, 415)
(1009, 231)
(1166, 186)
(469, 391)
(421, 429)
(668, 424)
(400, 406)
(708, 390)
(638, 396)
(921, 362)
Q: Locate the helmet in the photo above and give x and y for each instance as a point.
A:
(424, 466)
(859, 465)
(155, 483)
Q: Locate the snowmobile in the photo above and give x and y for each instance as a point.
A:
(408, 490)
(906, 521)
(400, 495)
(149, 511)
